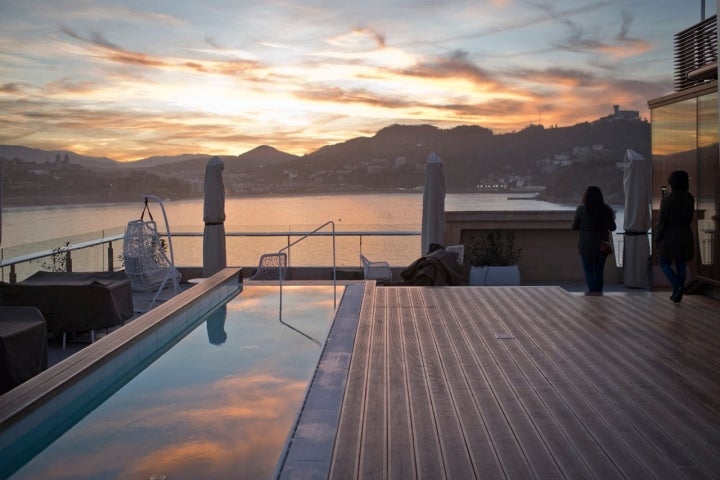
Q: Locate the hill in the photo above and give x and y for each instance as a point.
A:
(563, 161)
(42, 156)
(163, 161)
(259, 157)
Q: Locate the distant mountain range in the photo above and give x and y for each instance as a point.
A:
(564, 160)
(40, 156)
(259, 155)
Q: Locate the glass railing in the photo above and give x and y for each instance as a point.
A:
(94, 251)
(100, 251)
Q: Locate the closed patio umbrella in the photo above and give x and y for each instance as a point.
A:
(214, 251)
(1, 204)
(636, 251)
(433, 212)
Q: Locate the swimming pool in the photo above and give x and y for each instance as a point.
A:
(218, 404)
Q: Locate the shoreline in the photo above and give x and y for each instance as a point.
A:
(80, 200)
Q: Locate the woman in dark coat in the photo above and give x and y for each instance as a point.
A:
(674, 235)
(595, 220)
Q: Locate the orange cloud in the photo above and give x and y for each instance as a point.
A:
(232, 87)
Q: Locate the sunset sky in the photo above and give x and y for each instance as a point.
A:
(133, 79)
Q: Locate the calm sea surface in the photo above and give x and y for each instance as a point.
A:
(51, 227)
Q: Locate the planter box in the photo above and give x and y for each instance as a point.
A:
(489, 276)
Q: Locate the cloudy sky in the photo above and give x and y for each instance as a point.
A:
(132, 79)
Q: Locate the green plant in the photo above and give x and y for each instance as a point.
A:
(493, 249)
(58, 260)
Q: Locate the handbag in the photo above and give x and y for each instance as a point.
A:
(605, 248)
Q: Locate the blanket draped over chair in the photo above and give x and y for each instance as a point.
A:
(436, 268)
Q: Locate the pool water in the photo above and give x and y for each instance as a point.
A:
(218, 404)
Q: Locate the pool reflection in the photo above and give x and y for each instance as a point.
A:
(216, 327)
(219, 404)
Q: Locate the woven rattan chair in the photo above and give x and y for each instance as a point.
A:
(146, 263)
(272, 266)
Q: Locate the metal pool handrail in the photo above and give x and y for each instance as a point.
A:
(334, 270)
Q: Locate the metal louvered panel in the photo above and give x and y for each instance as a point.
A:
(696, 54)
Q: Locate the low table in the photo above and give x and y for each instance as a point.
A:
(23, 345)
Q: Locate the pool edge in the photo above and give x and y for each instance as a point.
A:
(30, 409)
(309, 447)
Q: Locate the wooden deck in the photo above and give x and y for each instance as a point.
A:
(531, 382)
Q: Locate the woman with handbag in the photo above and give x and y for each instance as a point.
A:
(594, 219)
(674, 235)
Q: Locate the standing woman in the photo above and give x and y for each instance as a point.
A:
(595, 220)
(674, 235)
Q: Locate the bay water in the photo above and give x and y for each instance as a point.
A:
(29, 229)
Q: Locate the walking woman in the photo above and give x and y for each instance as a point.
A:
(595, 220)
(674, 235)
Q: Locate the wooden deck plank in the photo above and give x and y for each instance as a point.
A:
(595, 358)
(663, 406)
(346, 459)
(672, 392)
(593, 354)
(543, 407)
(401, 451)
(510, 388)
(561, 394)
(604, 387)
(441, 369)
(665, 344)
(427, 444)
(452, 339)
(598, 417)
(508, 452)
(373, 447)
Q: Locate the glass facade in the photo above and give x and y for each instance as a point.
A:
(708, 193)
(685, 137)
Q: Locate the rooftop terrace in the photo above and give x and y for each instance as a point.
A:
(512, 382)
(518, 382)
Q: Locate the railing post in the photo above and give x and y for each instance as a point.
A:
(68, 261)
(13, 275)
(334, 268)
(110, 257)
(288, 257)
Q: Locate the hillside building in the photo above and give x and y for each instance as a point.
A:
(625, 114)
